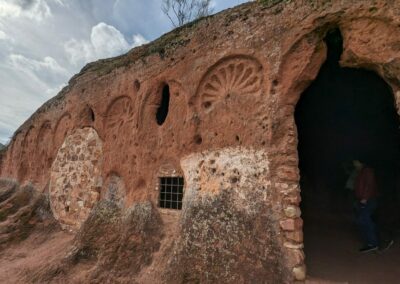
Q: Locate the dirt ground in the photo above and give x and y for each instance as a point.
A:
(331, 247)
(22, 259)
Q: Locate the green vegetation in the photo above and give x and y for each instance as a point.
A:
(313, 3)
(270, 3)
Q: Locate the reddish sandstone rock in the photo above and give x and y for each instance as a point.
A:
(234, 80)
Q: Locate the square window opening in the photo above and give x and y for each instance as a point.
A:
(171, 192)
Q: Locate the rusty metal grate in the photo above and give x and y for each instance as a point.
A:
(171, 192)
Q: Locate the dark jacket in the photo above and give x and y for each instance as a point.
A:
(365, 185)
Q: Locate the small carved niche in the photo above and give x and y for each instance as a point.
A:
(87, 116)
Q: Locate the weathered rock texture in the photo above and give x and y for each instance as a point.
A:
(228, 208)
(21, 210)
(113, 246)
(234, 81)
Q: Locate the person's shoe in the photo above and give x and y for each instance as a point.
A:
(387, 245)
(368, 248)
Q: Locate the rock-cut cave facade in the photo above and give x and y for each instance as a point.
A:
(210, 106)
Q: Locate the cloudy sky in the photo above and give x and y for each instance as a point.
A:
(44, 42)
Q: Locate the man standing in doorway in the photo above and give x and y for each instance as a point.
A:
(366, 192)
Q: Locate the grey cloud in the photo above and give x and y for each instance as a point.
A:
(47, 70)
(36, 10)
(25, 4)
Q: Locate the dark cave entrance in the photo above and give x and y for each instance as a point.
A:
(345, 115)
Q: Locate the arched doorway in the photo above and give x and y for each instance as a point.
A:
(345, 115)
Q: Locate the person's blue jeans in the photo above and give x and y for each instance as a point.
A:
(365, 222)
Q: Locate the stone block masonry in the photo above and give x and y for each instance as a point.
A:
(75, 179)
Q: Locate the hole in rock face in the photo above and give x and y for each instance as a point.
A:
(171, 192)
(348, 114)
(87, 116)
(207, 104)
(198, 139)
(136, 84)
(91, 114)
(162, 111)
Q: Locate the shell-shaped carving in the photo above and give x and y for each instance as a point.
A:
(119, 113)
(239, 75)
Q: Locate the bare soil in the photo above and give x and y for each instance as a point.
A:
(331, 247)
(20, 260)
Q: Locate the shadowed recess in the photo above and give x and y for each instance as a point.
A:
(162, 111)
(346, 114)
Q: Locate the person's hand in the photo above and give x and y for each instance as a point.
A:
(363, 201)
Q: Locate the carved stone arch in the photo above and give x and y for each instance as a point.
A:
(28, 146)
(178, 113)
(367, 43)
(374, 44)
(152, 100)
(43, 151)
(14, 154)
(119, 118)
(147, 126)
(44, 133)
(230, 76)
(63, 126)
(9, 157)
(15, 147)
(168, 134)
(149, 105)
(300, 64)
(118, 133)
(11, 148)
(29, 139)
(364, 39)
(87, 116)
(372, 39)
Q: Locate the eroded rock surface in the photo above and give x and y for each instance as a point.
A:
(21, 210)
(228, 215)
(112, 245)
(234, 80)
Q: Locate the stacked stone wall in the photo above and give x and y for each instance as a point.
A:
(76, 182)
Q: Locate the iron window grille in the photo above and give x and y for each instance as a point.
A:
(171, 192)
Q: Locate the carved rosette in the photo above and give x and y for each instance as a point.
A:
(120, 113)
(240, 75)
